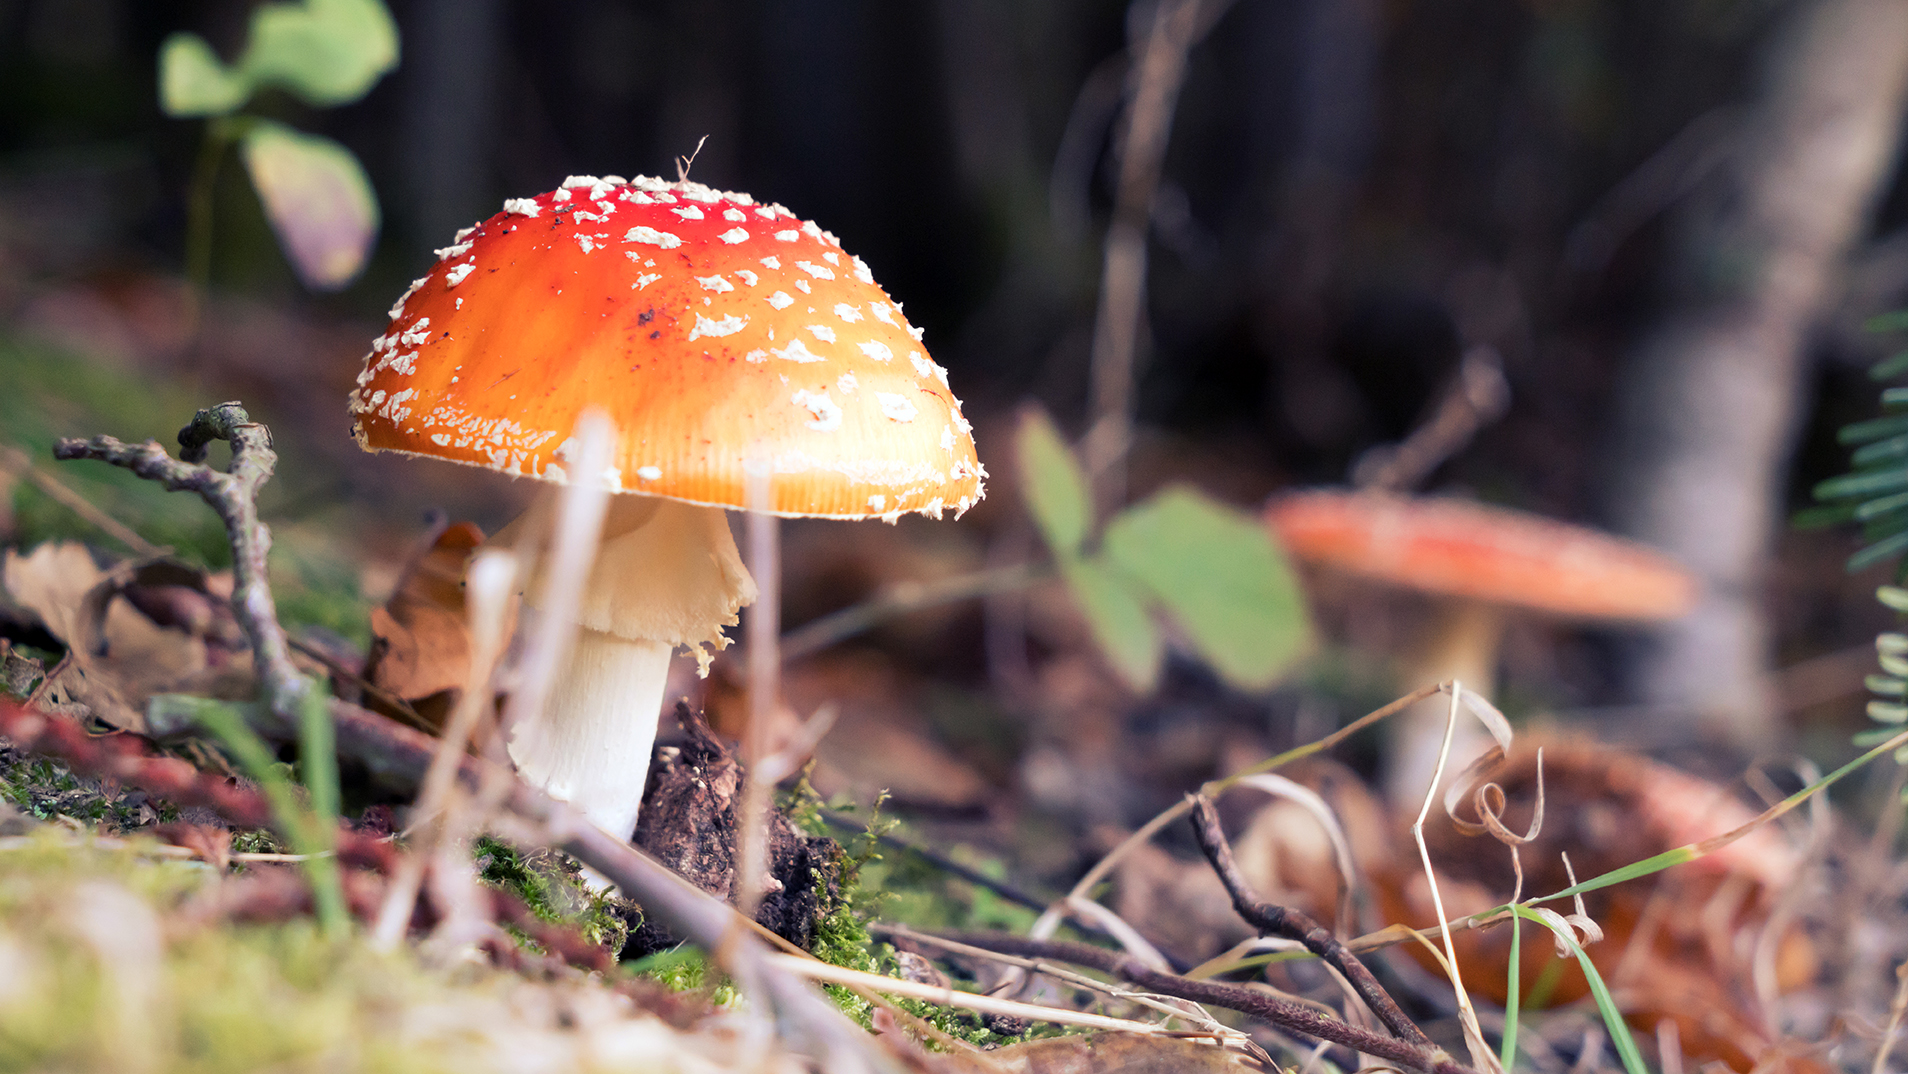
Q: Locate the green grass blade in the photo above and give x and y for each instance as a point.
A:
(308, 834)
(1513, 995)
(1613, 1022)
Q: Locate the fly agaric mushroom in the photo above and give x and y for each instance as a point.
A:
(717, 333)
(1484, 562)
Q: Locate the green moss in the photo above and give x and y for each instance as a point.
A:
(686, 969)
(867, 887)
(45, 789)
(551, 883)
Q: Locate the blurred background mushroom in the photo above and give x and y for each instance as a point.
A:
(1484, 565)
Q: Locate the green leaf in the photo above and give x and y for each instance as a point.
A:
(1052, 484)
(1892, 321)
(1862, 484)
(1116, 612)
(192, 81)
(328, 52)
(1890, 367)
(1876, 508)
(1863, 432)
(1877, 552)
(318, 199)
(1219, 574)
(1886, 712)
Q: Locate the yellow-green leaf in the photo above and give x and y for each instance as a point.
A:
(1051, 483)
(1224, 581)
(192, 81)
(1117, 615)
(328, 52)
(318, 199)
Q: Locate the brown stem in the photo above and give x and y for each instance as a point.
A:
(1284, 1014)
(1274, 920)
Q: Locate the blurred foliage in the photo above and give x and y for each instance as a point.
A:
(1875, 494)
(1178, 558)
(327, 52)
(314, 190)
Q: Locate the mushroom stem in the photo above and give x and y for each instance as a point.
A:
(1461, 644)
(591, 748)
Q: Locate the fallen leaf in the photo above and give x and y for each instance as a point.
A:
(118, 658)
(420, 648)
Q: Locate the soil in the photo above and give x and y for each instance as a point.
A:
(688, 822)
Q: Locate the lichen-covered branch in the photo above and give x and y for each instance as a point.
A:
(233, 496)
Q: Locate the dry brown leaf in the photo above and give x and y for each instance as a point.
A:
(1671, 948)
(421, 645)
(119, 656)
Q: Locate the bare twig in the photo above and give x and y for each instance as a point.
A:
(1895, 1011)
(948, 997)
(1292, 924)
(1056, 912)
(233, 496)
(1284, 1014)
(1170, 1006)
(902, 598)
(491, 578)
(1153, 90)
(1479, 396)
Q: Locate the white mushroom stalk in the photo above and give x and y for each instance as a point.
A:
(665, 574)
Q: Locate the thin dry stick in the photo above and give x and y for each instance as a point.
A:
(1479, 396)
(1153, 91)
(579, 527)
(1056, 912)
(1281, 1013)
(1166, 1005)
(948, 997)
(15, 461)
(764, 626)
(1293, 924)
(488, 588)
(1473, 1036)
(1895, 1010)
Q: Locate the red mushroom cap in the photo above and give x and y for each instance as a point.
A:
(1490, 554)
(715, 331)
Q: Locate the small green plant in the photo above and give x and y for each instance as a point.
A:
(1180, 557)
(321, 205)
(1875, 494)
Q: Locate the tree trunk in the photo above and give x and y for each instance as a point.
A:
(1709, 406)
